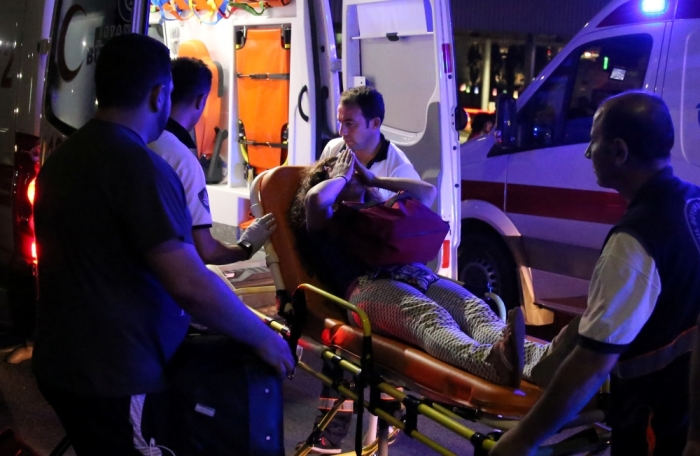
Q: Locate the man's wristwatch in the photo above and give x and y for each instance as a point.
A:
(248, 247)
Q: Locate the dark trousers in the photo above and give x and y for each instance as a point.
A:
(99, 426)
(649, 414)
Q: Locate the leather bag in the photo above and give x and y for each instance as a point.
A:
(401, 231)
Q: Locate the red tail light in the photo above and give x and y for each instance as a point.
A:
(31, 189)
(26, 169)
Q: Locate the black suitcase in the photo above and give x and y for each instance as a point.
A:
(222, 400)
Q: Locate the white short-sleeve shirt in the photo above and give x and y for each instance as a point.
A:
(396, 164)
(190, 172)
(622, 294)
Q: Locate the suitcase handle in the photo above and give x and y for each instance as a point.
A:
(303, 115)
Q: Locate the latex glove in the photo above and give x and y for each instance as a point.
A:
(259, 231)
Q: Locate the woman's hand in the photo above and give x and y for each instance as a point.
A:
(344, 166)
(364, 175)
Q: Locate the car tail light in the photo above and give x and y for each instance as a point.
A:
(26, 169)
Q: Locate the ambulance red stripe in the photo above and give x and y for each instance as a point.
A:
(561, 203)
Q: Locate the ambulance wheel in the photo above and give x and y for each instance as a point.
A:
(485, 260)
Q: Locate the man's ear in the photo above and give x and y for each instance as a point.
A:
(200, 101)
(620, 150)
(375, 123)
(156, 99)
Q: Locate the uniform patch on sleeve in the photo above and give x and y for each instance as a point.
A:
(692, 216)
(204, 199)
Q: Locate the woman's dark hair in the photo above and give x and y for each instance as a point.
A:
(311, 176)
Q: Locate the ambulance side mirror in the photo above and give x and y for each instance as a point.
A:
(505, 121)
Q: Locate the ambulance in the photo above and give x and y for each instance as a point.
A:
(277, 82)
(533, 219)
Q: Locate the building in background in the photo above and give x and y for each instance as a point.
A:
(500, 46)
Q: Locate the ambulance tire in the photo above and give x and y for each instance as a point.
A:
(484, 259)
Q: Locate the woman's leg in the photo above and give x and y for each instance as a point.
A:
(398, 309)
(477, 319)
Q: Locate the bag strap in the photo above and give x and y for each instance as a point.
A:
(398, 197)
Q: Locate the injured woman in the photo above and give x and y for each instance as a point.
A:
(406, 301)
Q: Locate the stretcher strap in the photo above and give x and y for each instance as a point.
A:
(268, 144)
(247, 8)
(266, 76)
(411, 404)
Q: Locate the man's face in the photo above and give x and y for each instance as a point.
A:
(354, 129)
(601, 153)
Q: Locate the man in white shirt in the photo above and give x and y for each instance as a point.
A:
(360, 117)
(191, 86)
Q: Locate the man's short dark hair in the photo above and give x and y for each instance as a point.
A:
(643, 121)
(191, 78)
(127, 68)
(368, 99)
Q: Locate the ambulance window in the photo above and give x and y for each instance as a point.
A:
(605, 68)
(561, 111)
(541, 118)
(84, 26)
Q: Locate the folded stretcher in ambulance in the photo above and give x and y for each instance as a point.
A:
(439, 391)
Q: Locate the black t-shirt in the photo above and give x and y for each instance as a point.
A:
(105, 324)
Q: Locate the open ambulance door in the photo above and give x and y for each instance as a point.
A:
(404, 49)
(79, 30)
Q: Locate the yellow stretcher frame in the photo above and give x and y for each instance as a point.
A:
(361, 365)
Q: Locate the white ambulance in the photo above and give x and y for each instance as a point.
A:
(401, 47)
(533, 218)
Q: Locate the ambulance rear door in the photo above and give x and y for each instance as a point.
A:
(403, 48)
(80, 29)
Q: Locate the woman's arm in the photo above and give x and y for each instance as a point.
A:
(422, 191)
(320, 199)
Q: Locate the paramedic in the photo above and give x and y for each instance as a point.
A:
(692, 448)
(644, 297)
(191, 85)
(360, 117)
(118, 272)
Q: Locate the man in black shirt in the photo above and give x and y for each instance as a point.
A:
(118, 273)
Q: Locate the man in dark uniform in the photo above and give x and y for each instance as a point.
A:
(118, 271)
(644, 297)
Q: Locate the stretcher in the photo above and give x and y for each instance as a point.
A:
(262, 74)
(440, 392)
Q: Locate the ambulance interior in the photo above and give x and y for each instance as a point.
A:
(277, 85)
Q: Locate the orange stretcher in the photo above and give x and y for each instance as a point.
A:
(206, 129)
(439, 391)
(262, 73)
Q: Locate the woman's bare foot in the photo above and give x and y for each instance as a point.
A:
(507, 355)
